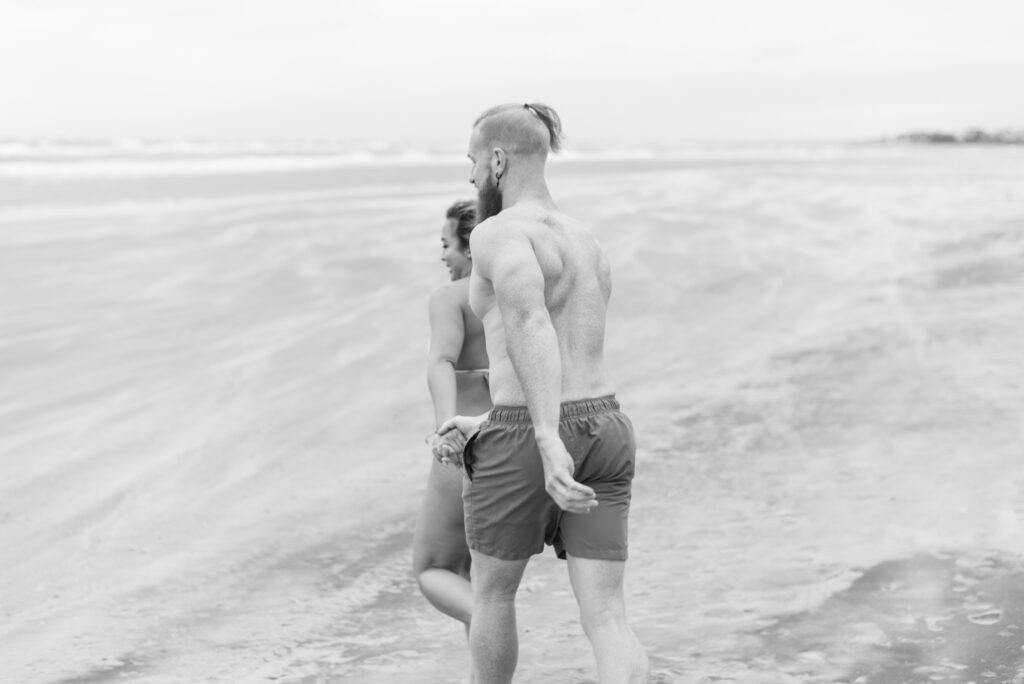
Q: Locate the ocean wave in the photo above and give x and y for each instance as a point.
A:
(103, 159)
(196, 166)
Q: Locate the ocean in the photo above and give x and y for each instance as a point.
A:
(214, 400)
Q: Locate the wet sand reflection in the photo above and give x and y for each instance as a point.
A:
(930, 618)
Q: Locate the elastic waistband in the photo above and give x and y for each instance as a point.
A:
(569, 409)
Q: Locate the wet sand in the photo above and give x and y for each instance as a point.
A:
(212, 421)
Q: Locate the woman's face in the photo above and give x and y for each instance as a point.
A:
(452, 254)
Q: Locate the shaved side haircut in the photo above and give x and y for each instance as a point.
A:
(522, 129)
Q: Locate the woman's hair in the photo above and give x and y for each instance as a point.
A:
(464, 213)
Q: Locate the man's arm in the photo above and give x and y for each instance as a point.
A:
(509, 263)
(506, 258)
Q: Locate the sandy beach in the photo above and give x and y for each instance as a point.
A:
(213, 407)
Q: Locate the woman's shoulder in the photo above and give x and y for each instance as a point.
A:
(451, 299)
(455, 293)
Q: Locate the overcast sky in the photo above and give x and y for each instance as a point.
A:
(405, 70)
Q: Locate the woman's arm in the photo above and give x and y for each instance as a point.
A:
(447, 332)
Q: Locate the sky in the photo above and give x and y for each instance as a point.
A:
(619, 73)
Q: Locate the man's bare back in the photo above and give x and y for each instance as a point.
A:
(571, 262)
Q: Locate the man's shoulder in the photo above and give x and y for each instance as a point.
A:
(509, 219)
(497, 230)
(522, 221)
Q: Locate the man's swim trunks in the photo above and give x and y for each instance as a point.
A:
(509, 514)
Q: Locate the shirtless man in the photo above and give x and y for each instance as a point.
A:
(553, 461)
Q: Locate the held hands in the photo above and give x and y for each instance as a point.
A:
(570, 495)
(447, 448)
(467, 425)
(450, 439)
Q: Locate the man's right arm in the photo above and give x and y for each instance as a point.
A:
(506, 258)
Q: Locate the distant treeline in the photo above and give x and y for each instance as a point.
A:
(973, 135)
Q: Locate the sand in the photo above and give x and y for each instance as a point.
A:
(213, 405)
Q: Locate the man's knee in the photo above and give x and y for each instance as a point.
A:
(494, 589)
(494, 580)
(610, 614)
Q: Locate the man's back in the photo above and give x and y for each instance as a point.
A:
(576, 286)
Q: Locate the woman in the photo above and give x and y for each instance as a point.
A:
(457, 378)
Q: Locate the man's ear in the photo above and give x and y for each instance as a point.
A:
(499, 162)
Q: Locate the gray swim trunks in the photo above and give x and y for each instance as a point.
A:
(509, 514)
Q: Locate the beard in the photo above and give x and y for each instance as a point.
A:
(488, 200)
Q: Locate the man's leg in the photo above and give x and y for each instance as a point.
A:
(493, 640)
(598, 588)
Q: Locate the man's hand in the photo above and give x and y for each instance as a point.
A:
(466, 425)
(570, 495)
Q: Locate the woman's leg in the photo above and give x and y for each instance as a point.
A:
(440, 553)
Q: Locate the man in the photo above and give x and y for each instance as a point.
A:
(553, 461)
